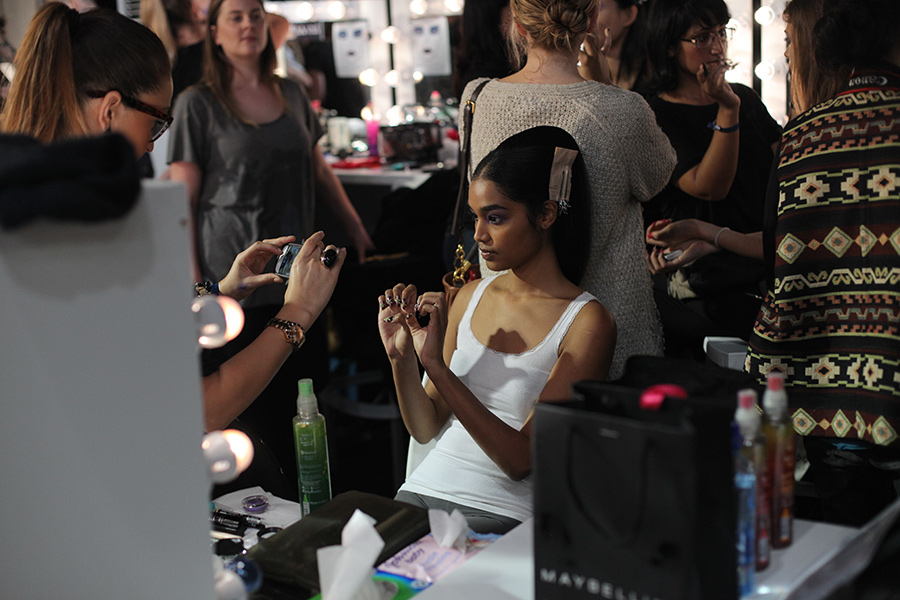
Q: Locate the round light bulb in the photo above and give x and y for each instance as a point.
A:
(230, 586)
(453, 5)
(391, 35)
(764, 15)
(394, 115)
(234, 316)
(305, 11)
(765, 70)
(735, 75)
(418, 7)
(336, 10)
(219, 319)
(241, 447)
(219, 458)
(369, 77)
(734, 24)
(392, 77)
(417, 76)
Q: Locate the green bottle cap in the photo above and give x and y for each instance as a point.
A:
(306, 399)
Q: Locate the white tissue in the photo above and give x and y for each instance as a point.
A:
(449, 530)
(345, 571)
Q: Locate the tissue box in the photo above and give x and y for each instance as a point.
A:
(425, 561)
(288, 558)
(728, 352)
(401, 587)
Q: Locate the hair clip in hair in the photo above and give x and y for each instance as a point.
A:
(561, 177)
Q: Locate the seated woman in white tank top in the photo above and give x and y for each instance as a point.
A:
(508, 342)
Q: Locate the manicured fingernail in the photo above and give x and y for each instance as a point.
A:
(403, 303)
(389, 319)
(383, 305)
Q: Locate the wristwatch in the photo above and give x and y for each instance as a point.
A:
(292, 331)
(206, 287)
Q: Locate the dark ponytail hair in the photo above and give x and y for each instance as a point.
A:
(66, 54)
(852, 32)
(520, 168)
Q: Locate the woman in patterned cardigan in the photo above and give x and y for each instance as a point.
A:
(831, 321)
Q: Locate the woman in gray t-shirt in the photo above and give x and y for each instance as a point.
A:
(244, 142)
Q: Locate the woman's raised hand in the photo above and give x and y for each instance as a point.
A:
(392, 326)
(711, 77)
(592, 63)
(408, 321)
(680, 255)
(666, 233)
(428, 325)
(246, 273)
(311, 283)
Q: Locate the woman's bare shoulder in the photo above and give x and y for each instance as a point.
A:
(593, 319)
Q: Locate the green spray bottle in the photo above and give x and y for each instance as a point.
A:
(311, 449)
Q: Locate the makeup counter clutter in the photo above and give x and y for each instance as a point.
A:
(371, 167)
(822, 557)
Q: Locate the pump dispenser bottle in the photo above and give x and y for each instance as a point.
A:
(753, 447)
(745, 489)
(780, 449)
(311, 448)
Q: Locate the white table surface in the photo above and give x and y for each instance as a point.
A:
(505, 570)
(385, 176)
(820, 558)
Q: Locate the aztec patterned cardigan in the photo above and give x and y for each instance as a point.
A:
(831, 319)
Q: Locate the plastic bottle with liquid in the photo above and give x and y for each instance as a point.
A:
(311, 449)
(780, 444)
(745, 490)
(753, 446)
(437, 109)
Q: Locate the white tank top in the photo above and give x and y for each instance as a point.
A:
(457, 469)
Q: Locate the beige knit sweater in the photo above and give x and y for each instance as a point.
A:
(629, 160)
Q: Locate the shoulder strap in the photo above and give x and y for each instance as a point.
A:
(465, 143)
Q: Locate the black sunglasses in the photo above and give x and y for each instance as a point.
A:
(163, 120)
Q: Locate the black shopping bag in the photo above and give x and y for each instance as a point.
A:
(633, 503)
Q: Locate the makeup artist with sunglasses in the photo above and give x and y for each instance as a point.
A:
(725, 141)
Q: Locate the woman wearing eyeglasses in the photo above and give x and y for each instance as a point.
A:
(99, 71)
(725, 141)
(89, 73)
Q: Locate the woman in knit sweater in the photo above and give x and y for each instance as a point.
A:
(628, 157)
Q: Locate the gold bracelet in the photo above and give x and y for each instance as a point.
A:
(293, 332)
